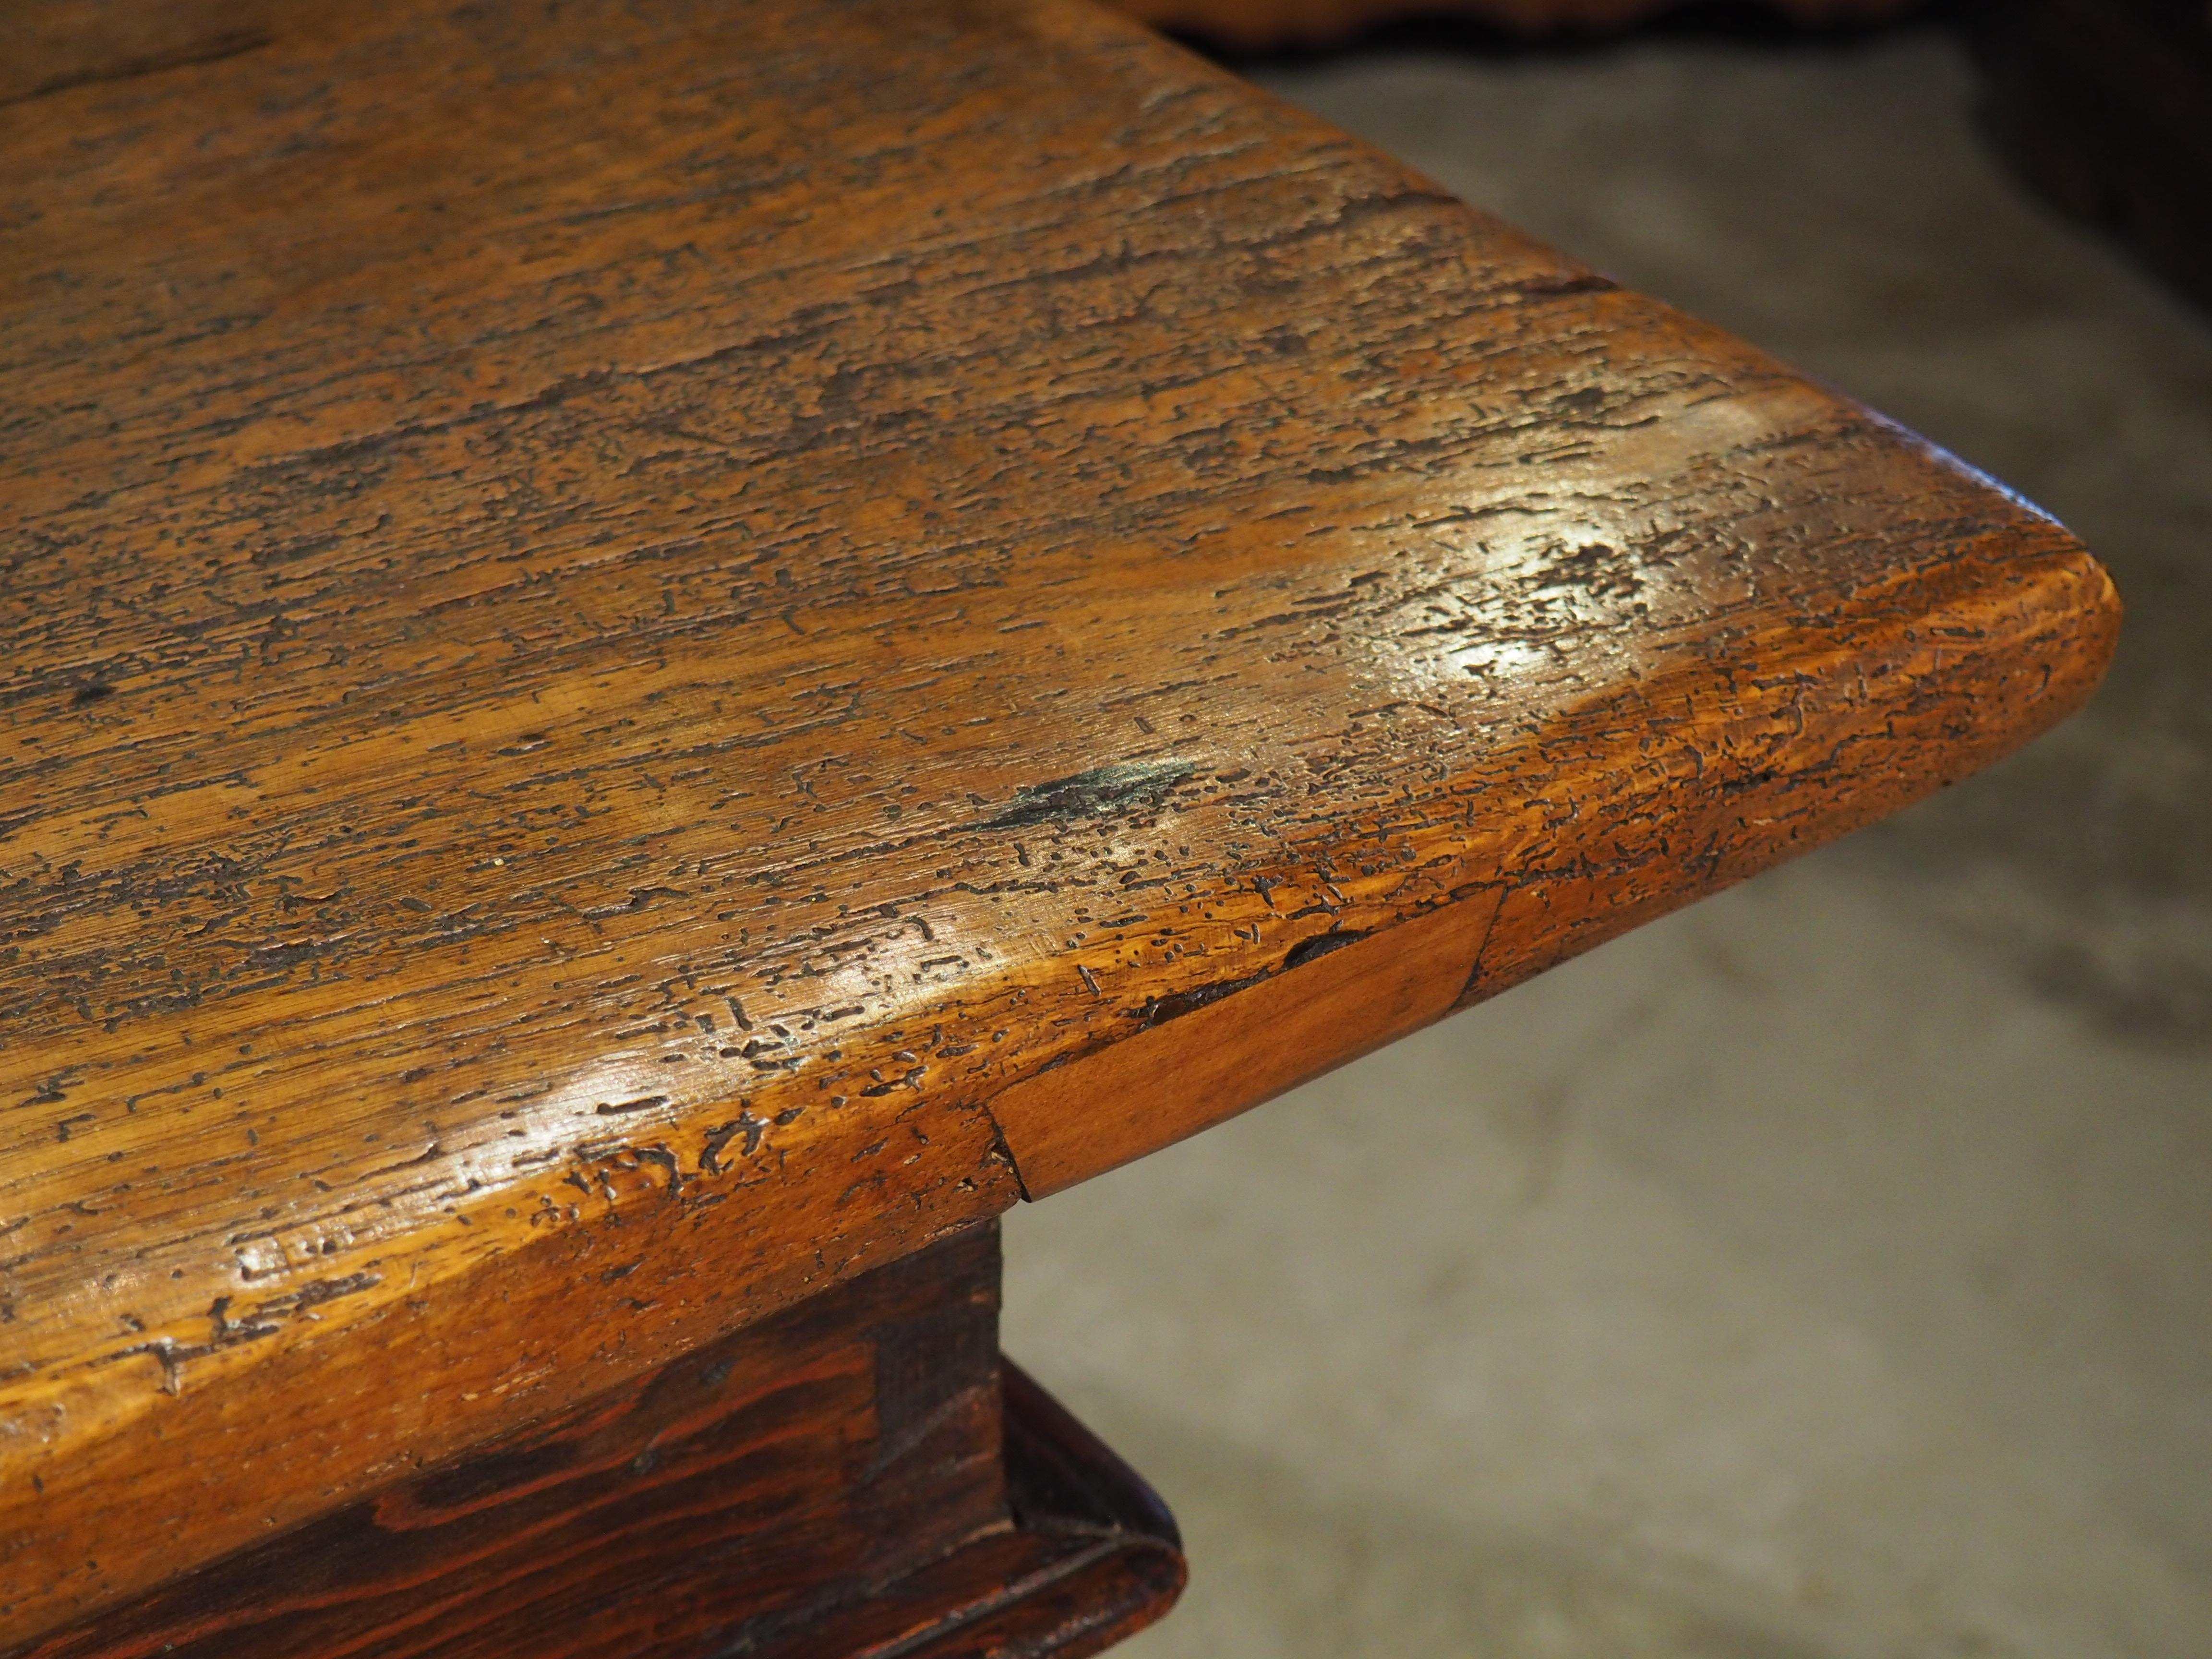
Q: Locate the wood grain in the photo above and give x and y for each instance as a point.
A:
(618, 623)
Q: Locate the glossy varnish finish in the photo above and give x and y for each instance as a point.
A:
(654, 653)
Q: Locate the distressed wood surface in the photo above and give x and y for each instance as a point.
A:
(655, 652)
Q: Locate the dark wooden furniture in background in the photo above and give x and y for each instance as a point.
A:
(2105, 106)
(659, 654)
(1278, 25)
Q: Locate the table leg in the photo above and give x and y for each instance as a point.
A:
(861, 1475)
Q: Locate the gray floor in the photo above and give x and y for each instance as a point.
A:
(1827, 1270)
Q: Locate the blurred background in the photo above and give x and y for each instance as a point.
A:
(1825, 1271)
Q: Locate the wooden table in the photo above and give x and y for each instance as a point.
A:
(658, 655)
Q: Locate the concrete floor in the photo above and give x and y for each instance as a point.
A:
(1827, 1270)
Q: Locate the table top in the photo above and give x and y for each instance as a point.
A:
(654, 652)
